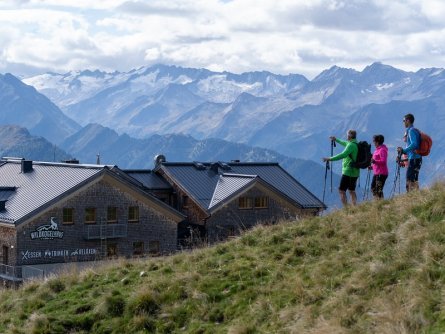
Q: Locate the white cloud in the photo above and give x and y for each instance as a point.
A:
(434, 10)
(304, 36)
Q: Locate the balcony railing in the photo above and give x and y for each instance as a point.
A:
(20, 273)
(106, 231)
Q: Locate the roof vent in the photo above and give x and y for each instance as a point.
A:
(224, 166)
(199, 165)
(214, 166)
(159, 159)
(26, 166)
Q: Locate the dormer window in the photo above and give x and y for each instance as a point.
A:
(5, 194)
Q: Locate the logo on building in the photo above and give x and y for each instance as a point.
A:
(47, 232)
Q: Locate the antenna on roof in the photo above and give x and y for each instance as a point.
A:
(98, 159)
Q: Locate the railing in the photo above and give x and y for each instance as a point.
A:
(106, 231)
(20, 273)
(11, 273)
(29, 272)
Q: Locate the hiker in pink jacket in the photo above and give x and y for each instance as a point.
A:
(379, 163)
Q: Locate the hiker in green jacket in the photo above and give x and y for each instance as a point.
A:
(349, 174)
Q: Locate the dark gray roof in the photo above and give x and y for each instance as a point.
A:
(148, 179)
(49, 182)
(201, 180)
(43, 184)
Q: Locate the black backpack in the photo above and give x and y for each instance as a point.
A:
(364, 155)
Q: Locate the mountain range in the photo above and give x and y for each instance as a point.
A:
(21, 104)
(95, 142)
(18, 142)
(289, 114)
(196, 114)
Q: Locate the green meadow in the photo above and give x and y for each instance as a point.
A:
(378, 267)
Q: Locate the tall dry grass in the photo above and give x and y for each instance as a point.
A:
(375, 268)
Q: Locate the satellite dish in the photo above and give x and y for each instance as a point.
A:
(159, 159)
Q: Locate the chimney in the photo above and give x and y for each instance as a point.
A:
(159, 159)
(26, 166)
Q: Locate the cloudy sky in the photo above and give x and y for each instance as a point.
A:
(281, 36)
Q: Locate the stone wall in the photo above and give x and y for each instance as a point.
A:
(8, 240)
(70, 243)
(231, 220)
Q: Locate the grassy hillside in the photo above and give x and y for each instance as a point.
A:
(375, 268)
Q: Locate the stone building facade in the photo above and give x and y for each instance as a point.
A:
(151, 233)
(53, 213)
(256, 206)
(222, 199)
(101, 214)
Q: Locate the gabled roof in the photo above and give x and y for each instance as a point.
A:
(149, 179)
(203, 183)
(48, 183)
(229, 184)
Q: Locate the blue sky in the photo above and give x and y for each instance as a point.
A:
(298, 36)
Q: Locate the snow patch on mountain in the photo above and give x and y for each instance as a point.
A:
(218, 89)
(384, 86)
(73, 87)
(250, 107)
(438, 72)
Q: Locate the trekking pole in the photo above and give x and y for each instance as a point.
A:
(332, 153)
(367, 185)
(325, 178)
(394, 186)
(397, 175)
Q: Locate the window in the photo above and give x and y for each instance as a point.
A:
(68, 216)
(5, 259)
(112, 250)
(245, 203)
(185, 202)
(261, 202)
(133, 214)
(112, 214)
(138, 248)
(90, 215)
(153, 248)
